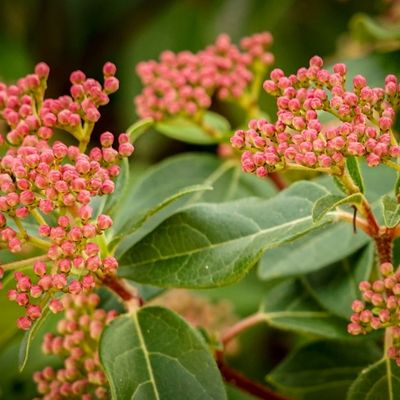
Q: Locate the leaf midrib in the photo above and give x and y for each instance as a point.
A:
(227, 242)
(146, 356)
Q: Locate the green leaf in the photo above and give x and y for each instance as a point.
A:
(311, 252)
(354, 170)
(331, 201)
(391, 211)
(289, 306)
(180, 172)
(217, 121)
(214, 127)
(336, 286)
(397, 185)
(380, 381)
(138, 128)
(322, 370)
(209, 245)
(10, 311)
(29, 336)
(367, 29)
(155, 355)
(130, 235)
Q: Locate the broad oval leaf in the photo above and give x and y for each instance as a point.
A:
(154, 354)
(170, 185)
(304, 255)
(380, 381)
(177, 173)
(322, 369)
(289, 306)
(209, 245)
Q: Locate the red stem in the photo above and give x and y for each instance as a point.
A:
(123, 290)
(235, 378)
(277, 180)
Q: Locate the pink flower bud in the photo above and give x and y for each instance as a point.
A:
(39, 268)
(42, 70)
(56, 306)
(33, 311)
(106, 139)
(109, 69)
(111, 84)
(104, 222)
(85, 212)
(88, 282)
(24, 323)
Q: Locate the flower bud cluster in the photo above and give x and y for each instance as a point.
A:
(380, 308)
(81, 376)
(26, 112)
(74, 265)
(39, 176)
(364, 116)
(183, 83)
(55, 182)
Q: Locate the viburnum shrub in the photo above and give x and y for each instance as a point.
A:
(89, 247)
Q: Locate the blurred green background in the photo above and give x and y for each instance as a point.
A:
(83, 34)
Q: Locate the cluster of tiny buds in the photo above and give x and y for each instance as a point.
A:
(81, 376)
(364, 118)
(380, 308)
(184, 83)
(39, 179)
(37, 176)
(73, 265)
(26, 112)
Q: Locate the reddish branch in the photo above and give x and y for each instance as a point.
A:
(278, 180)
(126, 292)
(235, 378)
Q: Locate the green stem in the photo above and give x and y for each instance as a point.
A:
(298, 167)
(83, 145)
(22, 230)
(392, 164)
(23, 263)
(41, 244)
(38, 217)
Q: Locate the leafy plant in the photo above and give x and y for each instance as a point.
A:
(88, 247)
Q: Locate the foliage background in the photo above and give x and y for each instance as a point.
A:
(72, 34)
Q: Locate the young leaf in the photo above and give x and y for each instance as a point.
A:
(336, 286)
(302, 256)
(379, 381)
(214, 127)
(187, 250)
(155, 355)
(29, 336)
(322, 370)
(288, 306)
(391, 211)
(138, 128)
(331, 201)
(354, 170)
